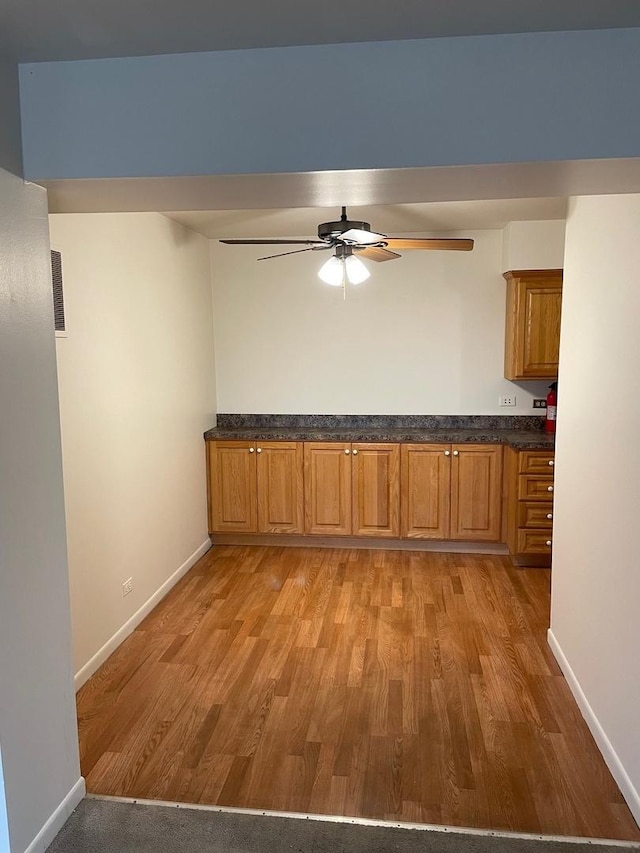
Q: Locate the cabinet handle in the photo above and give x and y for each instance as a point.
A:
(259, 450)
(548, 542)
(549, 488)
(551, 462)
(456, 452)
(355, 452)
(549, 515)
(252, 450)
(347, 451)
(447, 453)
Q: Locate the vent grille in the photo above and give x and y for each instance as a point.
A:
(58, 295)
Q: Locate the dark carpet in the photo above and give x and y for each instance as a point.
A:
(103, 826)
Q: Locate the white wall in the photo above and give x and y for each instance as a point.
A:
(533, 245)
(37, 710)
(423, 335)
(137, 391)
(595, 627)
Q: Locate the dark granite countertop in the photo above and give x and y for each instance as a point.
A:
(521, 433)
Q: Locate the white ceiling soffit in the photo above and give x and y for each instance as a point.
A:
(40, 30)
(356, 188)
(389, 219)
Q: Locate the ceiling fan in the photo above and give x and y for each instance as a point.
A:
(351, 241)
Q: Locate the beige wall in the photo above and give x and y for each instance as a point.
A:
(38, 734)
(595, 627)
(537, 245)
(136, 393)
(424, 335)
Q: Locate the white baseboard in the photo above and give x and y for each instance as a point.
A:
(58, 819)
(85, 673)
(627, 788)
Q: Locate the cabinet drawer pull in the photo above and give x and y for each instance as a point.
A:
(549, 488)
(347, 451)
(259, 450)
(456, 452)
(447, 453)
(548, 542)
(355, 452)
(549, 515)
(252, 450)
(551, 462)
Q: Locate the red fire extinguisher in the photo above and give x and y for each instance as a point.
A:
(552, 402)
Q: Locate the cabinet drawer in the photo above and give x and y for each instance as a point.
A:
(535, 514)
(536, 462)
(534, 541)
(532, 487)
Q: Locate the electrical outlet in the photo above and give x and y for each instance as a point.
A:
(127, 587)
(507, 400)
(539, 403)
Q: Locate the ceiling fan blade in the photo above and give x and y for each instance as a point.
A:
(446, 243)
(294, 252)
(273, 242)
(375, 253)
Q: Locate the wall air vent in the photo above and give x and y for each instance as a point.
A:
(58, 295)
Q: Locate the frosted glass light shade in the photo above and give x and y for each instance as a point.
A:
(332, 271)
(356, 270)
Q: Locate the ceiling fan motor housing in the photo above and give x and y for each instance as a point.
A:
(332, 230)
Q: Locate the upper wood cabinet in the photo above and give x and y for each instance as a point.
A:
(452, 491)
(255, 486)
(352, 489)
(532, 338)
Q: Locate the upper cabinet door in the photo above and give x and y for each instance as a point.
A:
(232, 486)
(426, 470)
(327, 487)
(534, 299)
(476, 492)
(280, 486)
(375, 476)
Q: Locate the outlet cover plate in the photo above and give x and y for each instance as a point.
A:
(507, 400)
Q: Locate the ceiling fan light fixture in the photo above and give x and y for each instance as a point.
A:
(332, 272)
(356, 271)
(343, 267)
(361, 237)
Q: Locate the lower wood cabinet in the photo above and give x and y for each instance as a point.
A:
(452, 492)
(414, 491)
(352, 489)
(255, 487)
(529, 486)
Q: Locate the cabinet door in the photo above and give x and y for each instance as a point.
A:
(476, 494)
(425, 490)
(534, 299)
(232, 487)
(327, 488)
(280, 486)
(375, 477)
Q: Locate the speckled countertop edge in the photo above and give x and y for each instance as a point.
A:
(519, 439)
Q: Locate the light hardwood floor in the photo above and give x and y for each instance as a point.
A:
(397, 685)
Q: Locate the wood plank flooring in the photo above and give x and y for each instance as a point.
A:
(386, 684)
